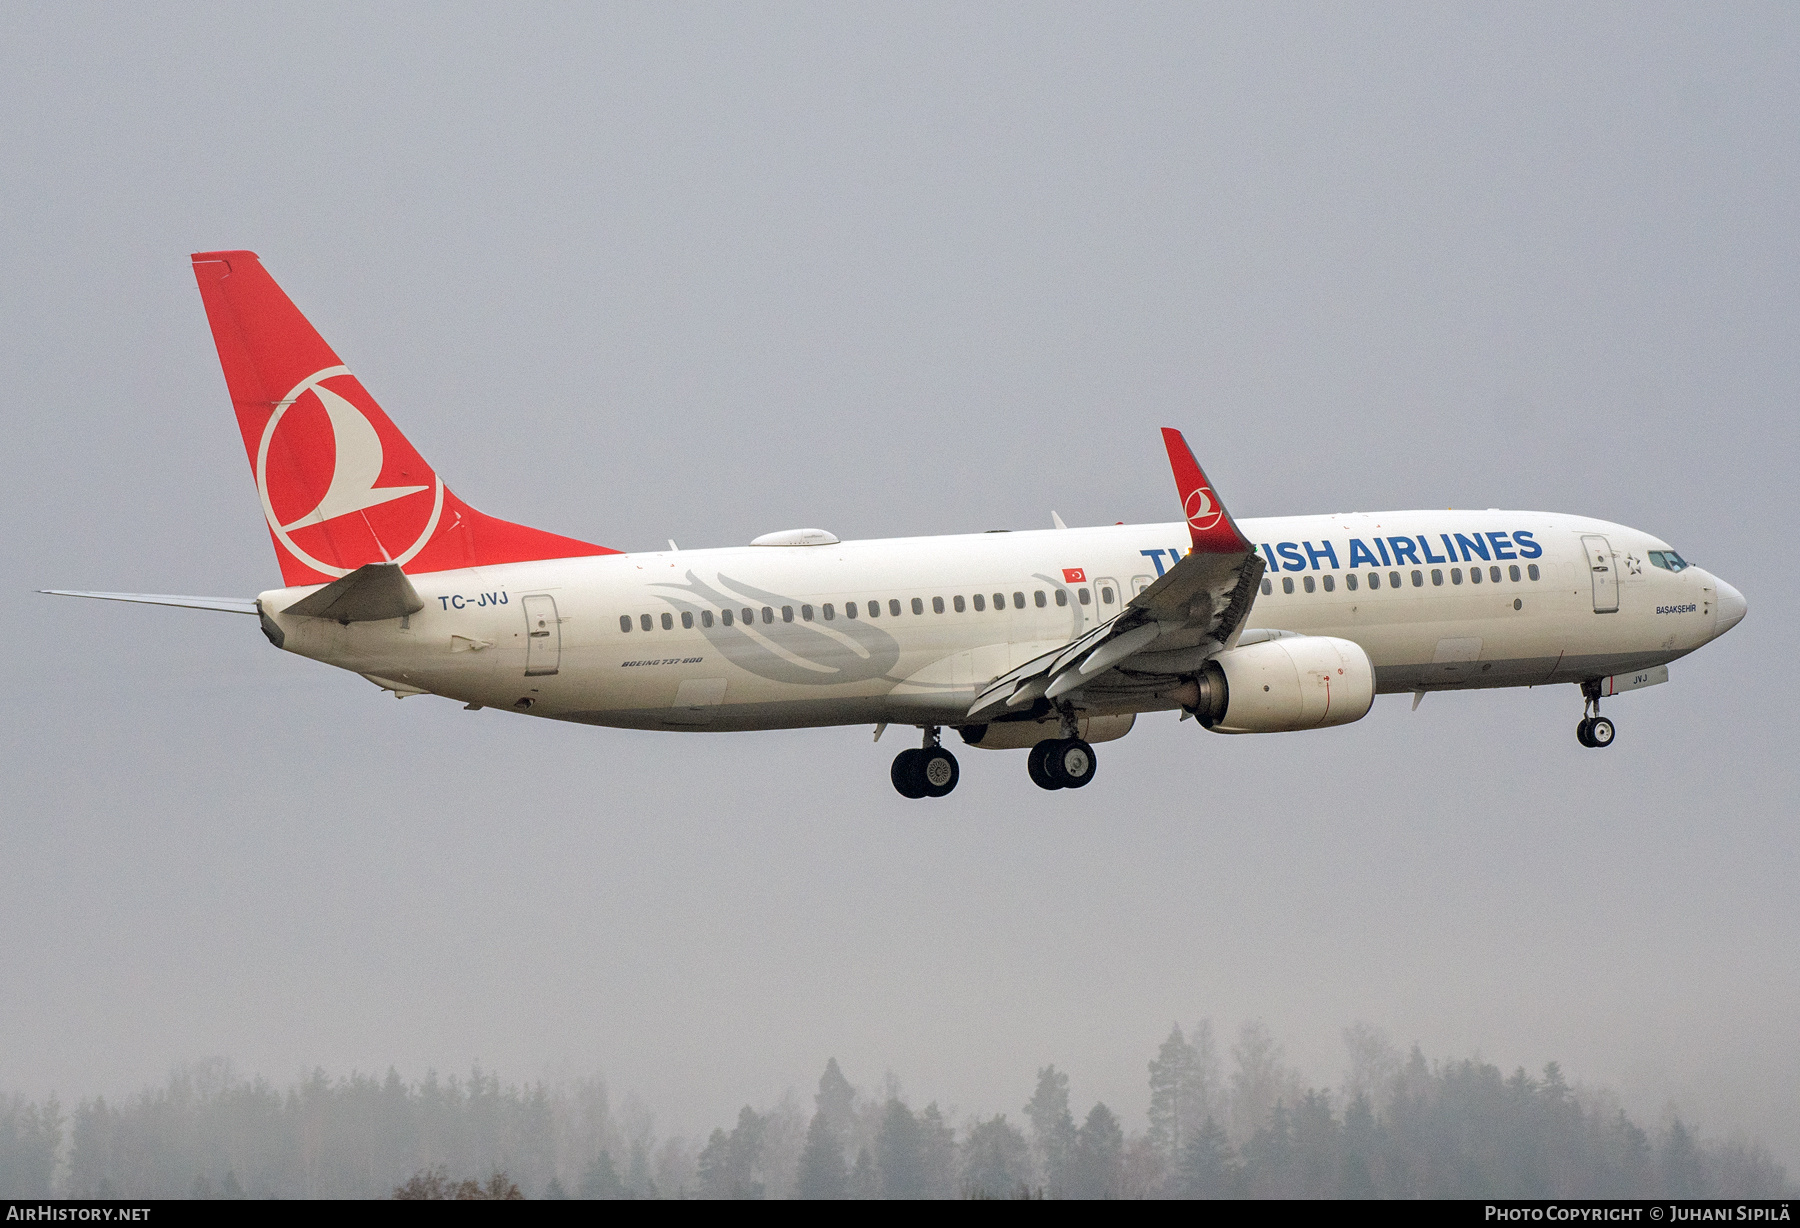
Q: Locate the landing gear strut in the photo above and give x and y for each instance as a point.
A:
(1061, 763)
(929, 771)
(1594, 731)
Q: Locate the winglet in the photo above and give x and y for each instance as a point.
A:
(1209, 524)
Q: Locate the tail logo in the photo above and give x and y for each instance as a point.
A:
(1202, 512)
(358, 457)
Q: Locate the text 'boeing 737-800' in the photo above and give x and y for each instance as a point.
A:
(1042, 641)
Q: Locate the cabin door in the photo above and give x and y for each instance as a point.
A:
(543, 637)
(1603, 568)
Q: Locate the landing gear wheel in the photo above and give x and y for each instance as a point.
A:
(907, 773)
(1035, 767)
(1583, 731)
(1070, 763)
(937, 771)
(1600, 732)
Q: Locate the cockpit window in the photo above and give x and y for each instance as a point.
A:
(1668, 560)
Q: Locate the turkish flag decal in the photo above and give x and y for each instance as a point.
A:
(1074, 575)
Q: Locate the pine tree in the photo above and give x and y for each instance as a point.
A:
(837, 1100)
(601, 1180)
(1179, 1091)
(899, 1153)
(1052, 1128)
(1099, 1150)
(1206, 1169)
(822, 1174)
(937, 1153)
(996, 1160)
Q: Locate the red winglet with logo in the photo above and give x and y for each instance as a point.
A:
(340, 485)
(1209, 524)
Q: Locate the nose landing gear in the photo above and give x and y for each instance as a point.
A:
(929, 771)
(1594, 731)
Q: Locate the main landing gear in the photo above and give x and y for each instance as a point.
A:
(929, 771)
(1061, 763)
(1594, 731)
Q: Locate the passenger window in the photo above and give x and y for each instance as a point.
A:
(849, 609)
(725, 617)
(668, 622)
(958, 602)
(1418, 579)
(1287, 584)
(1393, 579)
(787, 614)
(768, 615)
(1456, 575)
(706, 618)
(1000, 601)
(805, 613)
(1374, 579)
(1062, 596)
(1512, 573)
(1474, 575)
(1268, 586)
(749, 616)
(1037, 598)
(1532, 571)
(1350, 581)
(687, 620)
(918, 606)
(1018, 601)
(829, 611)
(644, 621)
(874, 609)
(894, 606)
(1494, 574)
(1106, 594)
(1330, 582)
(625, 622)
(1308, 582)
(1437, 578)
(980, 603)
(1083, 596)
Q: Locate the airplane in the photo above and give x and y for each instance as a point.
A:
(1046, 641)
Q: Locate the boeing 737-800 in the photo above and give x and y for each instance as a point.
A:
(1045, 641)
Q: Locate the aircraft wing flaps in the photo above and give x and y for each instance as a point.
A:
(1194, 610)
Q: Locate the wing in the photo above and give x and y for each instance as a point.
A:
(226, 605)
(1165, 632)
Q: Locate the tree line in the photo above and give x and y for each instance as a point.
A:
(1397, 1126)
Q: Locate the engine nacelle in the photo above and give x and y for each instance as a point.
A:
(1285, 684)
(1017, 735)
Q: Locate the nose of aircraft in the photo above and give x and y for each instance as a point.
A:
(1732, 607)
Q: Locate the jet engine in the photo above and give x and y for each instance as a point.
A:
(1284, 684)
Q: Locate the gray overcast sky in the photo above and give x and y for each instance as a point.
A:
(634, 273)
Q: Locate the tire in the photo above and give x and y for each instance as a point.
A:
(1600, 733)
(1071, 764)
(938, 772)
(1035, 766)
(908, 780)
(1581, 731)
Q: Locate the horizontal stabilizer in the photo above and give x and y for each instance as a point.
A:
(371, 593)
(225, 605)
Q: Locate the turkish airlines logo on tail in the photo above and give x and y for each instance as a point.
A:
(295, 501)
(1203, 512)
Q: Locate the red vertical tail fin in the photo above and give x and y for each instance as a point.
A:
(1209, 524)
(340, 485)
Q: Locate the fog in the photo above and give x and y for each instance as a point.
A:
(640, 273)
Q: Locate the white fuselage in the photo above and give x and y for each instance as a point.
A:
(551, 639)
